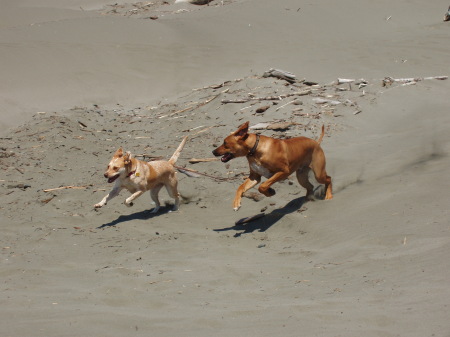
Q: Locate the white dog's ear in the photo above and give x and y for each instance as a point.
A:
(127, 158)
(119, 153)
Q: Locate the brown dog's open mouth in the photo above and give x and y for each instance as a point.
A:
(227, 157)
(112, 179)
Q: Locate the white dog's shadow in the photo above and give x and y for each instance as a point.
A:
(143, 215)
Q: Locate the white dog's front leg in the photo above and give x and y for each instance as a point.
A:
(114, 193)
(129, 201)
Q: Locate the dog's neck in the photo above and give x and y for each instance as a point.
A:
(133, 167)
(255, 146)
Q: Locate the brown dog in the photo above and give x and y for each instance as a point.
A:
(275, 159)
(138, 177)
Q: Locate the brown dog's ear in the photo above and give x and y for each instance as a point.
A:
(119, 153)
(242, 131)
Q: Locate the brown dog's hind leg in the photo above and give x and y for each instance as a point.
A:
(318, 164)
(323, 178)
(302, 177)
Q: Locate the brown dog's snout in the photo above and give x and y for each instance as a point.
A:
(105, 175)
(218, 151)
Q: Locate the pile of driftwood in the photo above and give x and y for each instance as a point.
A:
(130, 9)
(152, 9)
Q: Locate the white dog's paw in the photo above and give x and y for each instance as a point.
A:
(128, 204)
(155, 210)
(98, 206)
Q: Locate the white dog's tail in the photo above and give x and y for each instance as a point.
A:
(177, 152)
(321, 136)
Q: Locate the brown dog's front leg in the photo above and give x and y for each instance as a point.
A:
(250, 182)
(265, 186)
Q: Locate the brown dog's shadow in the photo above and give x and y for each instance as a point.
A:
(268, 220)
(143, 215)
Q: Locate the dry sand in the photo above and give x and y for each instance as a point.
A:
(81, 78)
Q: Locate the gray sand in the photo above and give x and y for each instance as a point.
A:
(81, 79)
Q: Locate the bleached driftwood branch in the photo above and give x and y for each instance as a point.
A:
(411, 80)
(267, 98)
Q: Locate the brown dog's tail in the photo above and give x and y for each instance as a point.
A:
(177, 152)
(321, 136)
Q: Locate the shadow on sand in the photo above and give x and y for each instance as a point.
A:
(268, 220)
(144, 215)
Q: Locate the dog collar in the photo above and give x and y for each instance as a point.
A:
(253, 150)
(131, 173)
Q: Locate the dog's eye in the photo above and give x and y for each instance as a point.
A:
(225, 144)
(115, 168)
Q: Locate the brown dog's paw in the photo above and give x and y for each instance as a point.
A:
(271, 192)
(267, 192)
(310, 197)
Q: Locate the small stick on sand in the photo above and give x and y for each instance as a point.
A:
(18, 169)
(195, 106)
(282, 106)
(186, 171)
(66, 187)
(202, 160)
(149, 156)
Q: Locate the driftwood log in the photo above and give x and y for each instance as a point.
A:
(281, 74)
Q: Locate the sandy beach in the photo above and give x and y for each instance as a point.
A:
(82, 78)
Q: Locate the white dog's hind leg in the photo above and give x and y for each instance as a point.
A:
(154, 195)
